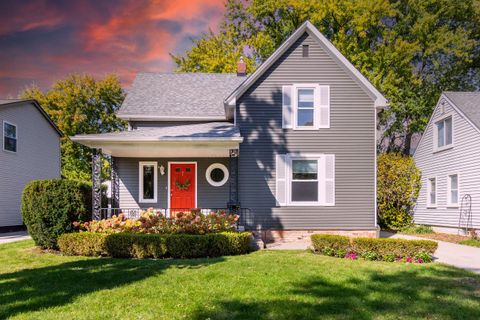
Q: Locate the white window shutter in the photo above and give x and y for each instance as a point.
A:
(281, 179)
(323, 107)
(329, 180)
(287, 109)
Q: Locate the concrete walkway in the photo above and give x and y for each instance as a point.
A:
(13, 236)
(457, 255)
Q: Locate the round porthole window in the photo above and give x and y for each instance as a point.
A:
(217, 174)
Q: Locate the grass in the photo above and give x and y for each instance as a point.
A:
(471, 242)
(417, 229)
(261, 285)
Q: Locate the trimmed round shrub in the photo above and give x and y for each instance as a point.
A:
(135, 245)
(49, 207)
(398, 185)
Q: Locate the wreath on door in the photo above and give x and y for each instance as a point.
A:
(183, 186)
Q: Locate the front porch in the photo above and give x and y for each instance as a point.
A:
(168, 169)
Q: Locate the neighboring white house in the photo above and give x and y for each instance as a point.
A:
(449, 157)
(29, 150)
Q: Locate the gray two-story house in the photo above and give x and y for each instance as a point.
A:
(292, 146)
(448, 155)
(30, 150)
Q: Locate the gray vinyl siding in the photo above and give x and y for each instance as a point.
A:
(207, 196)
(463, 159)
(37, 157)
(351, 138)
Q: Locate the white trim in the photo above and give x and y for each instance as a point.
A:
(296, 87)
(220, 166)
(142, 164)
(88, 138)
(290, 126)
(429, 189)
(380, 100)
(169, 163)
(16, 136)
(375, 173)
(449, 190)
(444, 117)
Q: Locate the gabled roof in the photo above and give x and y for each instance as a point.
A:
(178, 96)
(468, 103)
(210, 131)
(10, 102)
(307, 26)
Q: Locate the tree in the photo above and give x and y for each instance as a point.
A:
(411, 50)
(80, 104)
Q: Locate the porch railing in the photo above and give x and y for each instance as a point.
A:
(134, 213)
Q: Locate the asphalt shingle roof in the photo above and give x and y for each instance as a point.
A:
(179, 94)
(468, 103)
(188, 132)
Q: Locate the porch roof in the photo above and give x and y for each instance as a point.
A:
(203, 140)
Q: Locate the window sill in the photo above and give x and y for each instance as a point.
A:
(432, 207)
(437, 150)
(452, 206)
(148, 201)
(307, 204)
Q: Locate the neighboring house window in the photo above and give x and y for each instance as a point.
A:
(432, 192)
(217, 174)
(305, 106)
(452, 190)
(444, 133)
(305, 180)
(9, 137)
(147, 182)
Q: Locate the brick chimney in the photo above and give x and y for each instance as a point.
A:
(241, 68)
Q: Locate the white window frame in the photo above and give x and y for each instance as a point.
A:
(217, 166)
(429, 190)
(3, 136)
(436, 147)
(316, 89)
(320, 178)
(142, 164)
(449, 190)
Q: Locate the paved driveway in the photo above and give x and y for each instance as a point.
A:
(13, 236)
(457, 255)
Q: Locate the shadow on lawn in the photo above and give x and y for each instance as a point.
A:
(444, 293)
(35, 289)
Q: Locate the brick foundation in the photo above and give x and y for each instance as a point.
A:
(272, 236)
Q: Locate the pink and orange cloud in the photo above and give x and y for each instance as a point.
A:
(44, 40)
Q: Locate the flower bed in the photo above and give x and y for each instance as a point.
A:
(137, 245)
(390, 250)
(151, 221)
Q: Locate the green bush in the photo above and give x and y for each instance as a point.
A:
(132, 245)
(417, 229)
(373, 248)
(49, 207)
(398, 185)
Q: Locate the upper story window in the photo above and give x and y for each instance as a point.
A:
(444, 133)
(9, 137)
(305, 106)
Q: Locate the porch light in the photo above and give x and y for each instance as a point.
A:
(162, 170)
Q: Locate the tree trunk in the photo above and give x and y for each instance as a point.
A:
(408, 143)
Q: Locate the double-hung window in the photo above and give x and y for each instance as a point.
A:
(431, 192)
(147, 182)
(443, 133)
(9, 137)
(452, 190)
(305, 179)
(305, 108)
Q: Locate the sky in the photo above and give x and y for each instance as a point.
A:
(45, 40)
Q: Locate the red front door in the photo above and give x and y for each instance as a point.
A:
(182, 186)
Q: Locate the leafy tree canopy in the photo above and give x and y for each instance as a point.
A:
(411, 50)
(81, 104)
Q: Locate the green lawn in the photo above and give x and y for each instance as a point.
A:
(471, 242)
(262, 285)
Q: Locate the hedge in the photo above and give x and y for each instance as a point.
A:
(373, 248)
(50, 206)
(134, 245)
